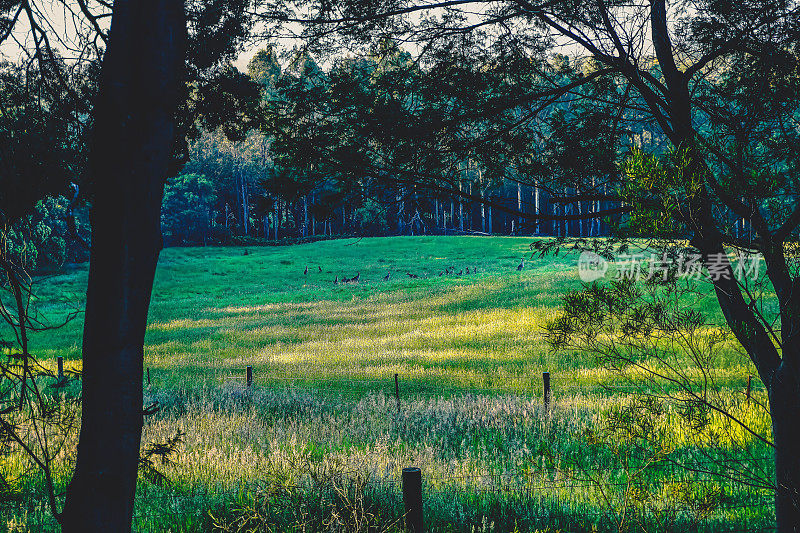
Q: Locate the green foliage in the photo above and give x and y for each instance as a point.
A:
(229, 102)
(42, 143)
(649, 335)
(157, 455)
(659, 189)
(43, 238)
(264, 68)
(186, 210)
(370, 218)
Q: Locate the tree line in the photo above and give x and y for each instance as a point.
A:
(267, 178)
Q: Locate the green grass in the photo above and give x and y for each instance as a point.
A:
(469, 353)
(216, 310)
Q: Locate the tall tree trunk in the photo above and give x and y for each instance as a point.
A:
(305, 216)
(784, 392)
(482, 194)
(470, 209)
(132, 152)
(400, 210)
(313, 218)
(245, 206)
(483, 217)
(452, 214)
(559, 224)
(460, 210)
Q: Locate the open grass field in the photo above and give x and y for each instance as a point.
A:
(318, 443)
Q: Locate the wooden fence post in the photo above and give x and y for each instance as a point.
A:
(546, 383)
(749, 386)
(60, 365)
(412, 499)
(148, 376)
(397, 392)
(249, 376)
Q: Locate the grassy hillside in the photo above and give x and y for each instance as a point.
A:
(216, 310)
(319, 442)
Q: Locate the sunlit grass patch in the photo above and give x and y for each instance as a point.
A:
(469, 355)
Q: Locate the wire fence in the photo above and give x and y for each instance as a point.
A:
(416, 383)
(559, 498)
(554, 497)
(540, 504)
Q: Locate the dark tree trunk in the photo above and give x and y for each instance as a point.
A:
(132, 151)
(784, 392)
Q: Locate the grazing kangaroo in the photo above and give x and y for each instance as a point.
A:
(467, 270)
(320, 268)
(355, 279)
(412, 276)
(521, 265)
(387, 276)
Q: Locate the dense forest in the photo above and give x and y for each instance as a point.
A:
(375, 145)
(257, 180)
(252, 169)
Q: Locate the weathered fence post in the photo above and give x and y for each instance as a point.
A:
(749, 386)
(546, 383)
(148, 376)
(412, 498)
(397, 392)
(249, 376)
(60, 365)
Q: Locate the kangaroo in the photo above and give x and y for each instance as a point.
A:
(305, 272)
(521, 265)
(336, 281)
(412, 276)
(387, 276)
